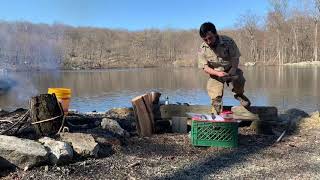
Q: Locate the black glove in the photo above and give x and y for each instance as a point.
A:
(232, 71)
(229, 78)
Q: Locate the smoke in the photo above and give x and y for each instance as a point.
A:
(26, 47)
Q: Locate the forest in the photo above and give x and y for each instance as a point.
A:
(286, 34)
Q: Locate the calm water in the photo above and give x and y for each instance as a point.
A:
(283, 87)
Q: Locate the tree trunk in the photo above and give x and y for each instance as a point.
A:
(315, 52)
(47, 109)
(296, 44)
(278, 47)
(264, 51)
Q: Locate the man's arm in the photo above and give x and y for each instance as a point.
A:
(211, 71)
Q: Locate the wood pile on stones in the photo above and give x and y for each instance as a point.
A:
(82, 135)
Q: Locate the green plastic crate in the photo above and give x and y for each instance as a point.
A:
(218, 134)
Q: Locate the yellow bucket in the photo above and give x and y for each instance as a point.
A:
(63, 95)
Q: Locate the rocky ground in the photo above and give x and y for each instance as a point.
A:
(171, 156)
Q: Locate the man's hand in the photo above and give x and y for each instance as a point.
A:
(211, 71)
(232, 71)
(221, 74)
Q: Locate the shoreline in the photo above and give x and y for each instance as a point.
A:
(79, 69)
(304, 63)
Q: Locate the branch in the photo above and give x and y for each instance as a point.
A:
(20, 120)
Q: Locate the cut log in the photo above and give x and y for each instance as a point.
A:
(46, 114)
(143, 114)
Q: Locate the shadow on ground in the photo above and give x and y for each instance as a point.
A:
(248, 145)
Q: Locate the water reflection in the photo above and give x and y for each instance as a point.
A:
(284, 87)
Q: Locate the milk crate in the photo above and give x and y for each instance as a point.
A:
(219, 134)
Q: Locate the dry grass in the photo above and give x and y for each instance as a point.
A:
(310, 122)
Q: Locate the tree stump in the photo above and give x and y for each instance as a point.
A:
(46, 114)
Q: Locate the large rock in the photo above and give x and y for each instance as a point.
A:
(124, 116)
(113, 126)
(83, 144)
(107, 145)
(23, 153)
(121, 113)
(60, 152)
(292, 117)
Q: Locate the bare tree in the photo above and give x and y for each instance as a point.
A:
(248, 23)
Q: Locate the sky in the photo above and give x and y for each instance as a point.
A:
(131, 14)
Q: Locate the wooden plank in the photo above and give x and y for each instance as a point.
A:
(149, 106)
(168, 111)
(261, 110)
(154, 97)
(142, 116)
(136, 118)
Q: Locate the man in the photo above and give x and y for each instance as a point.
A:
(219, 58)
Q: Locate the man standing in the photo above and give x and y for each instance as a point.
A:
(219, 58)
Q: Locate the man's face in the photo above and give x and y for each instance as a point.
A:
(210, 38)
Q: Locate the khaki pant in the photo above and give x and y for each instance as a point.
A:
(215, 87)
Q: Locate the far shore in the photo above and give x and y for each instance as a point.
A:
(247, 64)
(304, 63)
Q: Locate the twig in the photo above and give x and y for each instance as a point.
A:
(63, 118)
(61, 127)
(281, 136)
(46, 120)
(16, 123)
(6, 121)
(289, 125)
(20, 126)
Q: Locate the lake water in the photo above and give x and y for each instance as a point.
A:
(283, 87)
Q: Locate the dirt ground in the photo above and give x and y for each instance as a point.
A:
(171, 156)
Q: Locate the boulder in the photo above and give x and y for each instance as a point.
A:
(23, 153)
(113, 126)
(121, 113)
(124, 116)
(108, 140)
(292, 118)
(107, 145)
(83, 144)
(60, 152)
(295, 113)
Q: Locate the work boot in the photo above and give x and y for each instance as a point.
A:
(244, 101)
(217, 105)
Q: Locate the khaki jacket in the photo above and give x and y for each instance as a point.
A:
(220, 57)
